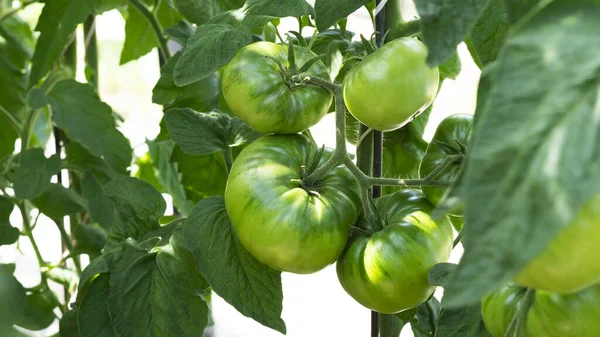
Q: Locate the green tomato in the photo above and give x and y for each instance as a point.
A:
(261, 95)
(388, 271)
(444, 143)
(403, 150)
(570, 262)
(280, 221)
(551, 314)
(391, 86)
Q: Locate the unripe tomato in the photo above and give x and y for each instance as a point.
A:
(571, 261)
(390, 87)
(258, 92)
(282, 222)
(388, 271)
(550, 315)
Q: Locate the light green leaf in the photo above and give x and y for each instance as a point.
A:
(8, 233)
(58, 201)
(32, 176)
(138, 206)
(140, 38)
(14, 300)
(536, 135)
(210, 48)
(489, 33)
(202, 95)
(445, 24)
(279, 8)
(80, 113)
(57, 22)
(228, 266)
(328, 12)
(167, 297)
(94, 320)
(205, 133)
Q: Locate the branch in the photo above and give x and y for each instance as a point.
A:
(162, 41)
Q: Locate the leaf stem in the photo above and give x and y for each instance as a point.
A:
(13, 122)
(162, 41)
(28, 232)
(27, 128)
(514, 329)
(228, 158)
(8, 13)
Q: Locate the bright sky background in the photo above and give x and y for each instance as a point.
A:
(314, 305)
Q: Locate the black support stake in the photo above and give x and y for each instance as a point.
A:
(377, 147)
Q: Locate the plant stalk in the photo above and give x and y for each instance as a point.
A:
(162, 40)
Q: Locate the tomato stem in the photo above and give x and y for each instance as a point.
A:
(514, 329)
(228, 158)
(449, 160)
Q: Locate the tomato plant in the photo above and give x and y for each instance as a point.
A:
(230, 188)
(387, 271)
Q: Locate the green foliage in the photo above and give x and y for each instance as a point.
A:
(58, 201)
(8, 233)
(279, 8)
(328, 12)
(550, 142)
(199, 11)
(14, 300)
(250, 286)
(32, 176)
(489, 33)
(424, 324)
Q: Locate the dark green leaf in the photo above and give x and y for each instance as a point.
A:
(58, 201)
(489, 33)
(94, 320)
(202, 95)
(32, 176)
(279, 8)
(201, 176)
(200, 11)
(89, 239)
(250, 286)
(239, 17)
(445, 24)
(180, 32)
(205, 133)
(140, 38)
(440, 274)
(210, 48)
(169, 175)
(536, 134)
(80, 113)
(13, 297)
(166, 299)
(57, 22)
(99, 265)
(8, 233)
(101, 209)
(328, 12)
(424, 325)
(8, 136)
(39, 313)
(451, 68)
(84, 161)
(101, 6)
(68, 326)
(138, 206)
(391, 325)
(461, 322)
(517, 9)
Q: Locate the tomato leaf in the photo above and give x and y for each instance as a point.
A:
(425, 324)
(68, 326)
(180, 33)
(391, 325)
(140, 38)
(8, 233)
(39, 313)
(14, 300)
(201, 133)
(535, 135)
(518, 9)
(328, 12)
(80, 113)
(138, 206)
(202, 95)
(440, 273)
(167, 297)
(210, 48)
(445, 24)
(90, 239)
(451, 68)
(229, 267)
(33, 174)
(58, 20)
(101, 6)
(94, 319)
(83, 160)
(101, 209)
(200, 11)
(58, 201)
(489, 33)
(461, 322)
(279, 8)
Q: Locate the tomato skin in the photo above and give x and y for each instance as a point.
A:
(390, 87)
(551, 314)
(279, 222)
(388, 272)
(255, 91)
(402, 154)
(570, 262)
(452, 128)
